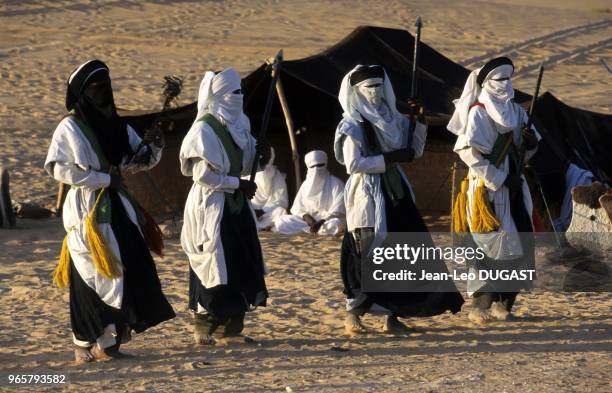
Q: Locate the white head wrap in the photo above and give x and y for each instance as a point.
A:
(265, 182)
(316, 176)
(216, 97)
(497, 97)
(387, 120)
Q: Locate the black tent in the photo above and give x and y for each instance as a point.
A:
(309, 89)
(572, 135)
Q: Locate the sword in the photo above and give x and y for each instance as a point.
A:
(522, 151)
(413, 86)
(267, 110)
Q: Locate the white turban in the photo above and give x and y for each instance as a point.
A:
(217, 98)
(496, 96)
(316, 176)
(388, 124)
(315, 157)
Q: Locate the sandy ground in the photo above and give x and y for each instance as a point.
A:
(561, 343)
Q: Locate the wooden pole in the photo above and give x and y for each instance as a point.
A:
(294, 150)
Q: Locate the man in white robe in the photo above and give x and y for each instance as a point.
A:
(318, 207)
(90, 148)
(484, 115)
(271, 198)
(370, 141)
(219, 235)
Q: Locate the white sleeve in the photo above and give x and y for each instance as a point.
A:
(279, 196)
(356, 163)
(419, 139)
(74, 175)
(208, 177)
(298, 208)
(337, 209)
(70, 159)
(479, 139)
(493, 177)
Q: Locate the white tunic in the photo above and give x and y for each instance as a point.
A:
(360, 203)
(328, 205)
(204, 159)
(72, 160)
(271, 196)
(479, 138)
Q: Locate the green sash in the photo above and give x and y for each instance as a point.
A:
(391, 179)
(235, 200)
(103, 212)
(501, 148)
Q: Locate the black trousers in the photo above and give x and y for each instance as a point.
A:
(206, 323)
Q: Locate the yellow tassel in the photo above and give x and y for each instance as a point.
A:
(483, 217)
(460, 224)
(103, 257)
(61, 274)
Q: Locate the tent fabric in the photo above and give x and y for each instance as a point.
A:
(311, 88)
(572, 135)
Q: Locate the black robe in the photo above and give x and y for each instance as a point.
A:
(401, 216)
(246, 286)
(143, 305)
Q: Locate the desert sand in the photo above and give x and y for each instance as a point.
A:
(561, 342)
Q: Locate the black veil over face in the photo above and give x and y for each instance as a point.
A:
(90, 95)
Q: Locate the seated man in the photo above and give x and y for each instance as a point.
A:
(319, 204)
(270, 200)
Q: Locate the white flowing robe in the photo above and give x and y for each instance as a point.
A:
(271, 196)
(72, 160)
(478, 139)
(204, 159)
(327, 205)
(359, 199)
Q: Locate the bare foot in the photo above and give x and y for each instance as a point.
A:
(82, 355)
(393, 325)
(353, 325)
(479, 317)
(203, 339)
(499, 312)
(106, 354)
